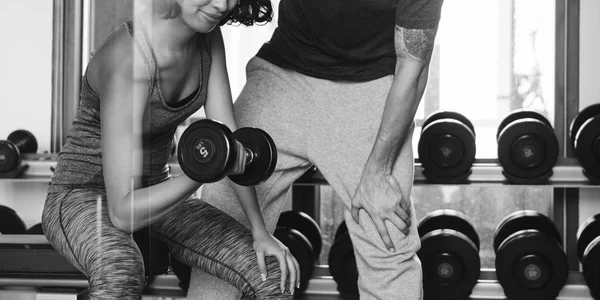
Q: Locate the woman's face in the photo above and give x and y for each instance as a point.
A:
(204, 15)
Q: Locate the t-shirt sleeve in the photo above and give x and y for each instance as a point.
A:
(418, 14)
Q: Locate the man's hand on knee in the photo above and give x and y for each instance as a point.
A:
(381, 197)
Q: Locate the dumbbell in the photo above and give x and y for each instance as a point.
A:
(18, 142)
(302, 235)
(10, 222)
(585, 139)
(35, 229)
(342, 264)
(183, 272)
(588, 252)
(527, 147)
(447, 147)
(449, 255)
(207, 151)
(530, 260)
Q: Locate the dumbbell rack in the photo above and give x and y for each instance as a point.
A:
(567, 173)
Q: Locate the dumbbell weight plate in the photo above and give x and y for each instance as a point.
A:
(155, 252)
(590, 263)
(263, 164)
(587, 146)
(342, 265)
(448, 219)
(206, 151)
(306, 225)
(446, 148)
(301, 249)
(588, 231)
(35, 229)
(25, 140)
(525, 219)
(582, 116)
(183, 272)
(10, 222)
(451, 264)
(530, 265)
(518, 114)
(439, 115)
(9, 156)
(527, 148)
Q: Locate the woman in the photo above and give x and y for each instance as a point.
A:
(112, 176)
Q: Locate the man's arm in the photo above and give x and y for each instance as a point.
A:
(378, 192)
(413, 51)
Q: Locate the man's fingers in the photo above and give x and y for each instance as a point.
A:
(385, 236)
(262, 267)
(399, 223)
(403, 214)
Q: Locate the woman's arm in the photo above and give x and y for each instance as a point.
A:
(123, 89)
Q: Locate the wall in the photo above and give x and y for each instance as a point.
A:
(26, 68)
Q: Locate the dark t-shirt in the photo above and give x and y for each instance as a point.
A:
(349, 40)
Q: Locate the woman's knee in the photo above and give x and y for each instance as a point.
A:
(270, 288)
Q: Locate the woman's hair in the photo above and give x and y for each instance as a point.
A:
(246, 12)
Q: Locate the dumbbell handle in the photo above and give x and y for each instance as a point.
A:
(250, 155)
(20, 143)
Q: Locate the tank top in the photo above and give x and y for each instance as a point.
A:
(80, 160)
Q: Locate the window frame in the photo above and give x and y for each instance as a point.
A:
(67, 66)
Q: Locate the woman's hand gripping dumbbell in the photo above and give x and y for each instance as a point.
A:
(208, 151)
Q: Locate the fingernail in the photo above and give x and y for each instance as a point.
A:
(392, 249)
(282, 290)
(263, 276)
(298, 285)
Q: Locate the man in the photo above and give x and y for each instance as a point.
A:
(338, 86)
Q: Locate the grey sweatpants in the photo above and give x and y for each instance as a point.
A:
(77, 225)
(332, 125)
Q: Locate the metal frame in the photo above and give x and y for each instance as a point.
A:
(66, 68)
(67, 58)
(566, 199)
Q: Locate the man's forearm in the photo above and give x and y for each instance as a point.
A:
(413, 51)
(397, 119)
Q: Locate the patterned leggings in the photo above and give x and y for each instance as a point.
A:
(77, 225)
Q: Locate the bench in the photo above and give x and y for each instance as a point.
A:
(30, 268)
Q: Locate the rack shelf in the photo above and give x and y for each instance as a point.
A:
(567, 173)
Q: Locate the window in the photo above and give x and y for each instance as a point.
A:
(26, 73)
(490, 58)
